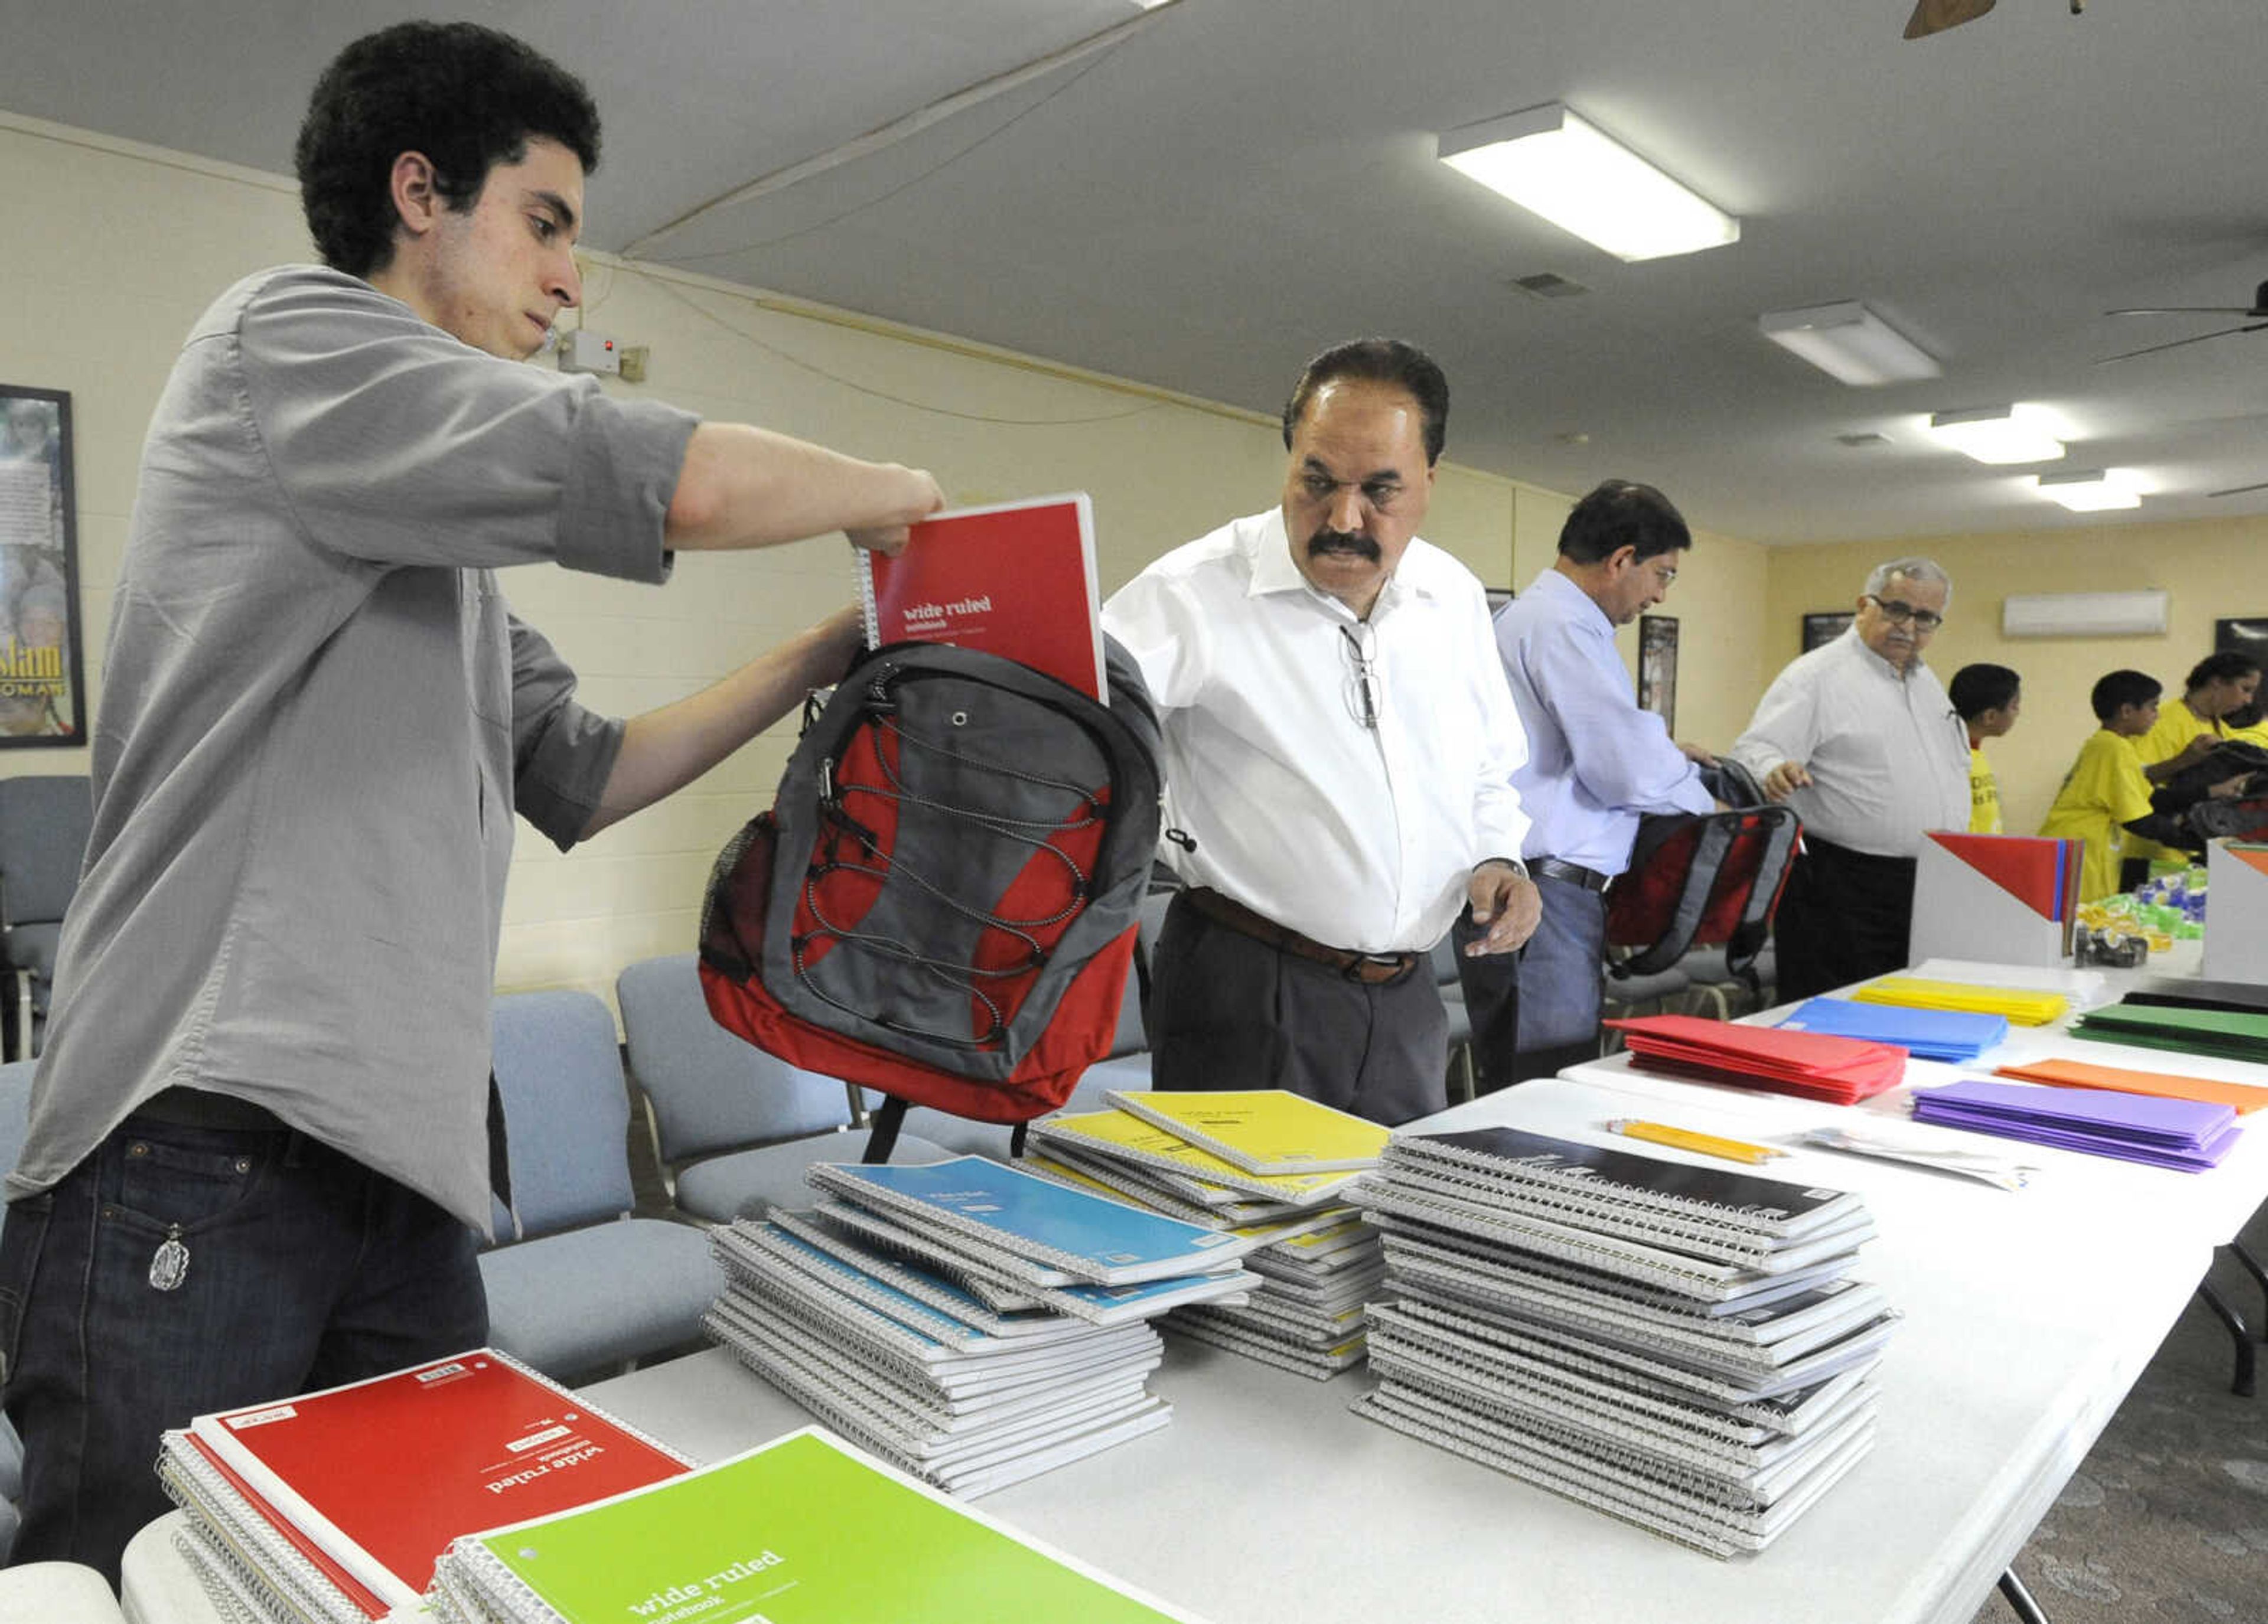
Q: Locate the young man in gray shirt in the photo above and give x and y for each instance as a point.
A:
(260, 1142)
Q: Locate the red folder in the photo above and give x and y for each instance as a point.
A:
(2030, 868)
(1808, 1065)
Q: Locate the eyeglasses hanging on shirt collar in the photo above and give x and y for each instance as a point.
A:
(1898, 611)
(1361, 643)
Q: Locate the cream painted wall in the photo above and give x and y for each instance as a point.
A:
(2209, 570)
(132, 242)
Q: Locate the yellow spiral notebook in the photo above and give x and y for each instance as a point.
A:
(1262, 1130)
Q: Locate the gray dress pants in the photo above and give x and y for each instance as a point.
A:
(1230, 1012)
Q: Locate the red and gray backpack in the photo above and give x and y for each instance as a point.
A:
(941, 903)
(1706, 879)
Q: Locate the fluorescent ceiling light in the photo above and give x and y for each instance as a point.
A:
(1551, 163)
(1849, 343)
(1999, 434)
(2093, 490)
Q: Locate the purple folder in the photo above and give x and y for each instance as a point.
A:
(2190, 1135)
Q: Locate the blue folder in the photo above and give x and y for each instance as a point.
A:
(1955, 1035)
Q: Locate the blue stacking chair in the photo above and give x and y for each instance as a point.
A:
(734, 1127)
(44, 822)
(15, 1110)
(580, 1286)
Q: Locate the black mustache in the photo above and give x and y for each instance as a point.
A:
(1342, 541)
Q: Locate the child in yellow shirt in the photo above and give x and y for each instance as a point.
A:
(2105, 789)
(1987, 698)
(2219, 687)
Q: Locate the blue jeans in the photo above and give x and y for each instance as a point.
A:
(304, 1269)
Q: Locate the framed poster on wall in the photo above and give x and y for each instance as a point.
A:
(42, 674)
(1819, 631)
(2242, 635)
(1657, 666)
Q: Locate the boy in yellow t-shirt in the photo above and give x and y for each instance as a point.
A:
(1987, 698)
(2105, 789)
(2219, 685)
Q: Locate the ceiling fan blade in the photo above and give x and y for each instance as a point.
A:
(1935, 16)
(2238, 490)
(2187, 310)
(2154, 348)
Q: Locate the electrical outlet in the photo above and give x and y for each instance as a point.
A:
(634, 364)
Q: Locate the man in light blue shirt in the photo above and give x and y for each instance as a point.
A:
(1596, 761)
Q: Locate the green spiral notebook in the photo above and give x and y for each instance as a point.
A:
(801, 1530)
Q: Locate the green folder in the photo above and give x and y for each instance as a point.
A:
(801, 1530)
(2225, 1034)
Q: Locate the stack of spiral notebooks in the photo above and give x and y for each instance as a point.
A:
(1679, 1347)
(332, 1506)
(1314, 1258)
(970, 1322)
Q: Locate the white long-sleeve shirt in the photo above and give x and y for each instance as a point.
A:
(1594, 760)
(1887, 757)
(1357, 836)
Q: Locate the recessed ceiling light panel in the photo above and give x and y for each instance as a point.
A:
(2092, 490)
(1553, 163)
(2000, 434)
(1849, 343)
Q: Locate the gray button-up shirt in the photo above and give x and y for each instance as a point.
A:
(318, 718)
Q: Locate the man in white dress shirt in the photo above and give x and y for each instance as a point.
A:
(1339, 746)
(1861, 739)
(1594, 762)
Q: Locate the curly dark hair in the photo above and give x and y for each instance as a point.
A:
(1379, 361)
(468, 97)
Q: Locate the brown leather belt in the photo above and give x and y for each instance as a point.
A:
(1371, 969)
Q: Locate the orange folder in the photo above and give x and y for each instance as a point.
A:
(2167, 1084)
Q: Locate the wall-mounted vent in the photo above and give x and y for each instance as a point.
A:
(1549, 285)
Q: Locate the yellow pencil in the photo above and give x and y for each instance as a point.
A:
(1686, 1139)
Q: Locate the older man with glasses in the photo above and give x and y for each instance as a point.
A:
(1339, 746)
(1860, 737)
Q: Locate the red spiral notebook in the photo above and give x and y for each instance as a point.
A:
(1016, 580)
(380, 1475)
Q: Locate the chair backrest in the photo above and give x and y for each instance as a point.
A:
(15, 1109)
(44, 823)
(711, 1090)
(566, 1109)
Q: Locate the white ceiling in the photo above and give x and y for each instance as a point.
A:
(1241, 182)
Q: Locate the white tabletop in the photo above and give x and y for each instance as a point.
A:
(2028, 1315)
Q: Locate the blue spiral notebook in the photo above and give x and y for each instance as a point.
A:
(1953, 1035)
(1022, 1213)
